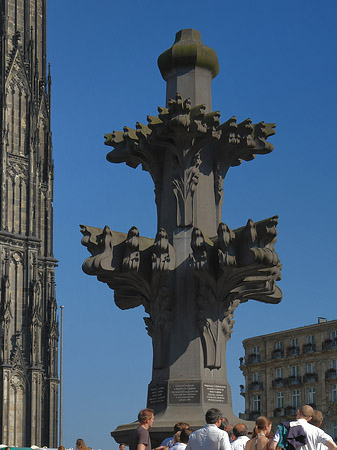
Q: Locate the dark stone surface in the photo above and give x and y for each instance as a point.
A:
(196, 271)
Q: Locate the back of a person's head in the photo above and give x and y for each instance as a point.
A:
(185, 435)
(316, 418)
(180, 426)
(58, 448)
(80, 444)
(213, 415)
(145, 414)
(306, 411)
(225, 422)
(260, 424)
(176, 436)
(240, 429)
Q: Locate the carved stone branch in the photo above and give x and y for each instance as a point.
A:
(237, 143)
(184, 131)
(236, 266)
(137, 268)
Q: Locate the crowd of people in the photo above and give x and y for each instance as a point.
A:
(304, 433)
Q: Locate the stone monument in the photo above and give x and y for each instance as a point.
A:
(196, 271)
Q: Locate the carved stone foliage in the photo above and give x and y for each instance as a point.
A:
(137, 268)
(234, 267)
(183, 130)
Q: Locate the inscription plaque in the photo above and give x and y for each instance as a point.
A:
(157, 394)
(215, 393)
(184, 392)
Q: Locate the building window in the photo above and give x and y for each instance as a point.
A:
(334, 393)
(310, 368)
(256, 377)
(278, 373)
(279, 400)
(278, 345)
(334, 431)
(333, 364)
(294, 342)
(255, 350)
(333, 337)
(310, 339)
(311, 396)
(294, 371)
(295, 398)
(256, 403)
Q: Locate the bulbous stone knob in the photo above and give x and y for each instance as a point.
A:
(188, 51)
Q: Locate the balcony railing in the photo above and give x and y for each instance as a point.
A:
(294, 379)
(309, 348)
(331, 374)
(277, 353)
(242, 390)
(255, 386)
(290, 411)
(329, 343)
(250, 416)
(310, 377)
(279, 382)
(293, 351)
(278, 412)
(253, 358)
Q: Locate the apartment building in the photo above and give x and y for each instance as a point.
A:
(290, 368)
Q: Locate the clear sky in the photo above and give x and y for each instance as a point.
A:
(278, 64)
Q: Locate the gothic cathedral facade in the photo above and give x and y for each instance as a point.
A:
(28, 320)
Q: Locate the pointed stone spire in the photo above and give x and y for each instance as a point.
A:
(188, 67)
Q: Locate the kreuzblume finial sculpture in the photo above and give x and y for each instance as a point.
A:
(196, 271)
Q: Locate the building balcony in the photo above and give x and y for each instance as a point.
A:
(310, 377)
(279, 382)
(309, 348)
(294, 379)
(278, 412)
(255, 386)
(277, 353)
(331, 374)
(329, 343)
(253, 358)
(293, 351)
(250, 416)
(290, 411)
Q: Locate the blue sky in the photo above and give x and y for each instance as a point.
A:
(277, 64)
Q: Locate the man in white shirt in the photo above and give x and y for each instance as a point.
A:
(240, 433)
(315, 436)
(210, 437)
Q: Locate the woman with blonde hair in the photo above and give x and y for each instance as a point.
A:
(260, 436)
(80, 445)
